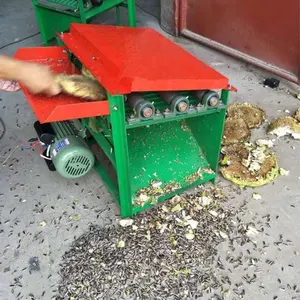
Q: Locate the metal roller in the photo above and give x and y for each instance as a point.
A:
(178, 103)
(143, 109)
(207, 97)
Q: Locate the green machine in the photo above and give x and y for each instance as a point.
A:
(158, 133)
(56, 15)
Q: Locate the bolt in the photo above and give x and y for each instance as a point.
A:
(115, 107)
(94, 57)
(167, 110)
(147, 112)
(213, 101)
(64, 51)
(182, 106)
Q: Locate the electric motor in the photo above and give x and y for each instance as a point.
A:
(71, 157)
(66, 150)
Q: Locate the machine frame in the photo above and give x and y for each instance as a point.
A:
(183, 147)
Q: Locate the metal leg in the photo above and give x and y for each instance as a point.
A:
(40, 22)
(119, 135)
(131, 13)
(118, 13)
(81, 12)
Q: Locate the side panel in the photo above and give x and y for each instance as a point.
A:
(264, 33)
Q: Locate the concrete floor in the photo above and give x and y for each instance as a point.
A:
(30, 194)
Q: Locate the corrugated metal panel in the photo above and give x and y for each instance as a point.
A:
(264, 33)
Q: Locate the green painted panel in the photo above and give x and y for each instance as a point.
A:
(168, 153)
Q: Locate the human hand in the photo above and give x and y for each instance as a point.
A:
(38, 79)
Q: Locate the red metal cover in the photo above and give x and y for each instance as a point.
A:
(61, 107)
(126, 60)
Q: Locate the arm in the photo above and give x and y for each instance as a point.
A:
(37, 78)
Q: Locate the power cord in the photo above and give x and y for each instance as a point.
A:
(21, 40)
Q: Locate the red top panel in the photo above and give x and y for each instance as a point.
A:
(126, 59)
(61, 107)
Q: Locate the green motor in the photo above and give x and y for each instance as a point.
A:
(70, 153)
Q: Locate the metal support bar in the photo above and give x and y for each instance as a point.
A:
(119, 133)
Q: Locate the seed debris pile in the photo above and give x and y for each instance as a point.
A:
(244, 163)
(286, 125)
(166, 253)
(248, 164)
(241, 118)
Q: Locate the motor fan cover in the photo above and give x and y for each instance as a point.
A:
(72, 157)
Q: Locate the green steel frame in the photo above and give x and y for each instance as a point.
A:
(116, 142)
(56, 15)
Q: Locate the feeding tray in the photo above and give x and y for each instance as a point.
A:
(61, 107)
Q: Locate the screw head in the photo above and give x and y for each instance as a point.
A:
(213, 101)
(115, 107)
(182, 106)
(147, 112)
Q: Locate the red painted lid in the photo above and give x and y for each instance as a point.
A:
(126, 59)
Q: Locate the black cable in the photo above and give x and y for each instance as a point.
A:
(4, 128)
(16, 42)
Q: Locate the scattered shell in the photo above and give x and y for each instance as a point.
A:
(256, 196)
(213, 213)
(176, 208)
(251, 231)
(76, 217)
(205, 201)
(190, 235)
(223, 235)
(126, 222)
(156, 184)
(43, 224)
(120, 244)
(267, 143)
(192, 223)
(284, 172)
